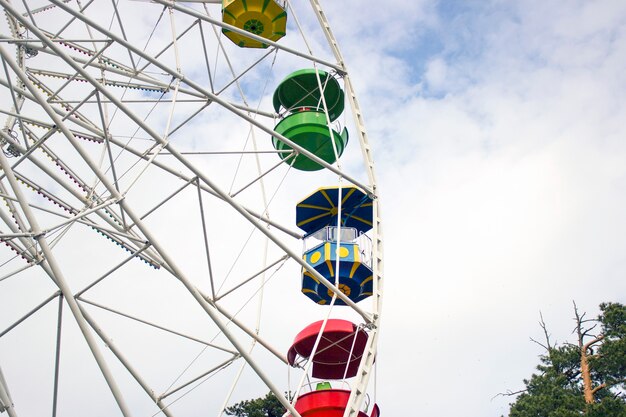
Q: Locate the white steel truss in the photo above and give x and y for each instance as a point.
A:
(134, 131)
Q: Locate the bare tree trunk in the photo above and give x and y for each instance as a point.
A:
(585, 372)
(585, 368)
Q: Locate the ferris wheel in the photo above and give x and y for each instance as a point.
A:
(189, 212)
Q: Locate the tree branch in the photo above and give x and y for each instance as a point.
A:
(540, 344)
(579, 322)
(587, 345)
(545, 331)
(508, 393)
(598, 388)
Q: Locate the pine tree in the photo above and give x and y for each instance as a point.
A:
(583, 378)
(267, 406)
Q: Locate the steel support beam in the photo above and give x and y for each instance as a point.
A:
(118, 354)
(163, 142)
(213, 314)
(184, 80)
(6, 403)
(50, 260)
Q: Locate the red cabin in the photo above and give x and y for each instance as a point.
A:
(327, 403)
(339, 352)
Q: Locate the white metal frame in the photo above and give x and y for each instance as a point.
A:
(107, 210)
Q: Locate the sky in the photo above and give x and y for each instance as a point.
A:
(500, 149)
(498, 137)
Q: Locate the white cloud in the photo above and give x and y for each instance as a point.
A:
(498, 138)
(502, 196)
(436, 74)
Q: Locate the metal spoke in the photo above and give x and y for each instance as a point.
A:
(57, 359)
(142, 176)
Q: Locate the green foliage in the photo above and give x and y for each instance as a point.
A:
(268, 406)
(610, 362)
(609, 407)
(557, 390)
(552, 393)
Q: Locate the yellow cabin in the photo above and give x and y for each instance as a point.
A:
(265, 18)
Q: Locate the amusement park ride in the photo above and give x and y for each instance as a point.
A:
(99, 139)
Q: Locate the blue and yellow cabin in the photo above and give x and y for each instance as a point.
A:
(341, 256)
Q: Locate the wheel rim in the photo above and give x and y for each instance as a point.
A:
(148, 228)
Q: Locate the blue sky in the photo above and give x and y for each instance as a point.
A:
(501, 154)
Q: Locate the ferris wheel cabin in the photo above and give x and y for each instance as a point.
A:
(265, 18)
(339, 350)
(336, 246)
(327, 403)
(311, 100)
